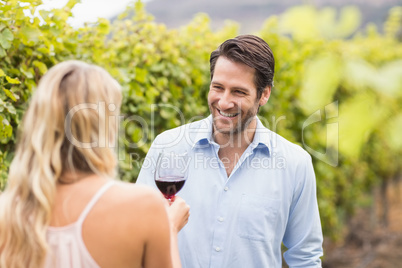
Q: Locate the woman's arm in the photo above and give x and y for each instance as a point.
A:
(161, 227)
(179, 213)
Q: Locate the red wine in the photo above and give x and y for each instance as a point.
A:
(169, 186)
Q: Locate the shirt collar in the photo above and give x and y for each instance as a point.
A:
(204, 132)
(261, 137)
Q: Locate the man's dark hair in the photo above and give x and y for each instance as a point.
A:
(252, 51)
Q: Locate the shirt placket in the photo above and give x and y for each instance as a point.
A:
(221, 226)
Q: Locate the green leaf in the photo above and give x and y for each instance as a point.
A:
(123, 15)
(12, 80)
(2, 73)
(10, 94)
(393, 133)
(349, 21)
(28, 74)
(357, 120)
(30, 36)
(43, 50)
(44, 14)
(72, 3)
(320, 83)
(8, 35)
(2, 52)
(301, 22)
(140, 74)
(5, 129)
(41, 66)
(5, 38)
(10, 108)
(104, 26)
(389, 79)
(137, 135)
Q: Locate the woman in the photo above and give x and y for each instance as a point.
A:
(61, 207)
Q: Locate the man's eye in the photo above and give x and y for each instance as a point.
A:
(240, 92)
(218, 87)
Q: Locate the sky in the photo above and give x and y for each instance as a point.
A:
(90, 10)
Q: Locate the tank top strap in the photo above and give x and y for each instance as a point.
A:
(93, 201)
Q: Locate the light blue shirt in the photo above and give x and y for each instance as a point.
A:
(241, 220)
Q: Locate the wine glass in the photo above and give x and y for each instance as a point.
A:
(171, 173)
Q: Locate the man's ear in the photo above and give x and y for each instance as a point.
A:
(265, 96)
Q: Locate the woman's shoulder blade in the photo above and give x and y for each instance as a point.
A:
(136, 196)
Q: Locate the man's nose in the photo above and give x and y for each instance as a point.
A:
(226, 101)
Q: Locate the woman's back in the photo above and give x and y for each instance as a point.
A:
(67, 128)
(122, 226)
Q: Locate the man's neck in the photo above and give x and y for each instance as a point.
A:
(233, 146)
(236, 141)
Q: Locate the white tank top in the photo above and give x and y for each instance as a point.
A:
(66, 246)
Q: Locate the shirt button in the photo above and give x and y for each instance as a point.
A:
(226, 188)
(220, 219)
(218, 249)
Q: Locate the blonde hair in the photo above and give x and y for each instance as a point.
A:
(68, 127)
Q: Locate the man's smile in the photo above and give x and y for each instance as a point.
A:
(227, 114)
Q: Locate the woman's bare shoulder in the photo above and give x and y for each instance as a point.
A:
(136, 196)
(136, 190)
(123, 221)
(134, 208)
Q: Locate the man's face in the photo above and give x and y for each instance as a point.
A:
(232, 97)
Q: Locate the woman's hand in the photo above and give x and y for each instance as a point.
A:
(178, 212)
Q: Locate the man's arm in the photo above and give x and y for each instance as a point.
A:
(303, 236)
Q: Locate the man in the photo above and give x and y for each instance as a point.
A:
(248, 188)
